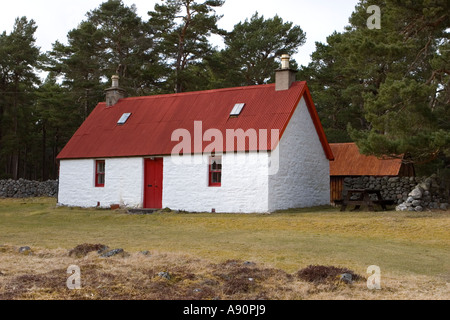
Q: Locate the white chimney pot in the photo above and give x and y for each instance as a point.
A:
(115, 81)
(285, 61)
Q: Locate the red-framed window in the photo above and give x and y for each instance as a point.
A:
(100, 173)
(215, 171)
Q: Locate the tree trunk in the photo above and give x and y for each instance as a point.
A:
(44, 147)
(181, 43)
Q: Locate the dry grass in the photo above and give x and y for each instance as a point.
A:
(43, 276)
(205, 253)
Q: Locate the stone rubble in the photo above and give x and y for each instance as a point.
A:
(427, 194)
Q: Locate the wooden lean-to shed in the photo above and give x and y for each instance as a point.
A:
(349, 162)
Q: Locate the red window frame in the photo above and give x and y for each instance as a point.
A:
(100, 169)
(215, 171)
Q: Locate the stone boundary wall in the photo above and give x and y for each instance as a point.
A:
(409, 193)
(429, 193)
(27, 189)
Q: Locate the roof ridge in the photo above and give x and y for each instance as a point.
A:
(168, 95)
(336, 143)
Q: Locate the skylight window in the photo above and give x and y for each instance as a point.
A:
(237, 109)
(124, 118)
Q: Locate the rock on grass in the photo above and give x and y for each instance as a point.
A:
(114, 252)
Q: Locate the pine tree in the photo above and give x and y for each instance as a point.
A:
(80, 67)
(56, 122)
(393, 81)
(336, 86)
(126, 47)
(19, 58)
(182, 29)
(252, 51)
(113, 40)
(408, 106)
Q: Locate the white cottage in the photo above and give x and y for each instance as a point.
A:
(248, 149)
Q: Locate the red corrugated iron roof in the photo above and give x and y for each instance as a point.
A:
(348, 161)
(153, 119)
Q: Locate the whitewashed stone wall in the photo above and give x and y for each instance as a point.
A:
(244, 184)
(185, 186)
(303, 179)
(123, 183)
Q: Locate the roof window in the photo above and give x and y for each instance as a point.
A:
(124, 118)
(237, 109)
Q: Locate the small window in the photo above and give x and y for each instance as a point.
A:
(215, 172)
(124, 118)
(237, 109)
(100, 173)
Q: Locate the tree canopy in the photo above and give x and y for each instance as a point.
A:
(183, 28)
(253, 48)
(18, 82)
(387, 89)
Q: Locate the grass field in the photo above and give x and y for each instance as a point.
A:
(412, 250)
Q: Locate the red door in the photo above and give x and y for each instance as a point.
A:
(153, 187)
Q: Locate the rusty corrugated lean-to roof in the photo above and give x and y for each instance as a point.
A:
(350, 162)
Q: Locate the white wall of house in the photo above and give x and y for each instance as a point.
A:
(185, 185)
(244, 184)
(123, 183)
(303, 178)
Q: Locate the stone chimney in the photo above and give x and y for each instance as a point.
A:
(115, 93)
(285, 76)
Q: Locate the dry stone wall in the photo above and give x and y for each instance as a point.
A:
(392, 188)
(27, 189)
(409, 193)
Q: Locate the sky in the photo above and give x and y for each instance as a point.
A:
(55, 18)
